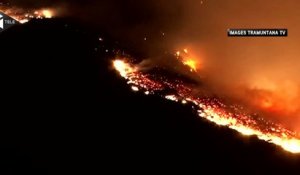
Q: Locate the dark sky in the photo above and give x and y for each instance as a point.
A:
(262, 66)
(60, 96)
(66, 112)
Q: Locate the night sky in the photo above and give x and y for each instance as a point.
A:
(66, 111)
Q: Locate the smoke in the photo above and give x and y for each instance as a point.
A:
(261, 73)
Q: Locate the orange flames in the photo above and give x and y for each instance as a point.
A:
(187, 60)
(124, 68)
(24, 16)
(211, 109)
(191, 63)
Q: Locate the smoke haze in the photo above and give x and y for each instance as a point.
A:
(263, 73)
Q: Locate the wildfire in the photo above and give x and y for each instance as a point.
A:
(210, 109)
(187, 59)
(191, 63)
(24, 16)
(124, 68)
(47, 13)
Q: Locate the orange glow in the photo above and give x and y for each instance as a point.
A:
(187, 59)
(280, 99)
(266, 103)
(47, 13)
(124, 68)
(191, 63)
(212, 109)
(24, 16)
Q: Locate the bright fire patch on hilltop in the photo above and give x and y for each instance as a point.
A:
(187, 60)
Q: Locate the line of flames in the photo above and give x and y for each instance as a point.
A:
(245, 125)
(211, 109)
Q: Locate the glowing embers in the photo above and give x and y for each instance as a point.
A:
(248, 126)
(135, 78)
(211, 109)
(171, 97)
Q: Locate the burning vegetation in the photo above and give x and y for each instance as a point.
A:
(212, 109)
(24, 16)
(267, 97)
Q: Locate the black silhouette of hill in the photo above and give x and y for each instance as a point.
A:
(66, 111)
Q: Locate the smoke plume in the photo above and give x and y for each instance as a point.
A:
(261, 73)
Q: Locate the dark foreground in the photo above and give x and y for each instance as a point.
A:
(65, 111)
